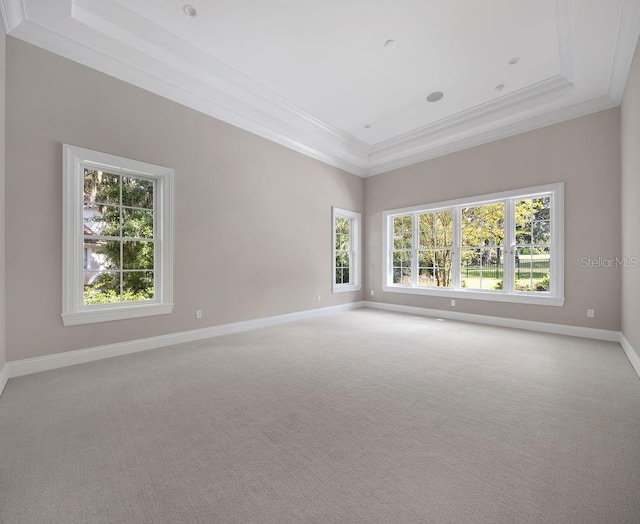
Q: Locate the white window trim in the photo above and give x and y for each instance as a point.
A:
(354, 271)
(555, 296)
(74, 312)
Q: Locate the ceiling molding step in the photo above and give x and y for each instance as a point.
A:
(43, 37)
(13, 14)
(109, 37)
(323, 157)
(566, 23)
(626, 43)
(124, 26)
(554, 88)
(551, 118)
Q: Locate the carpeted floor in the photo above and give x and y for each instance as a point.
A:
(364, 416)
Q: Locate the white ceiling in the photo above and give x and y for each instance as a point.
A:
(312, 74)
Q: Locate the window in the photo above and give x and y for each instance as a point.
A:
(117, 238)
(435, 251)
(402, 249)
(532, 247)
(482, 246)
(504, 247)
(346, 250)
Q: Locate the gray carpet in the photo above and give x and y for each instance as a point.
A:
(364, 416)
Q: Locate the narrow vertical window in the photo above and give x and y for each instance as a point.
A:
(346, 250)
(435, 251)
(482, 247)
(532, 250)
(402, 255)
(117, 238)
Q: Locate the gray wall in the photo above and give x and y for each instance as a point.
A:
(3, 355)
(630, 119)
(253, 219)
(584, 153)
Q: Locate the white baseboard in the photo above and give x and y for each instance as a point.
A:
(530, 325)
(632, 354)
(27, 366)
(4, 376)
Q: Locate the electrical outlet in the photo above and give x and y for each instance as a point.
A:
(318, 298)
(372, 292)
(198, 313)
(591, 313)
(453, 302)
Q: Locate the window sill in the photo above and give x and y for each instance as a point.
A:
(491, 296)
(344, 288)
(120, 313)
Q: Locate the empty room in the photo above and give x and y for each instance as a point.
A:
(324, 262)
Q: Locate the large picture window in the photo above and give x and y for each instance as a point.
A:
(504, 246)
(346, 250)
(117, 238)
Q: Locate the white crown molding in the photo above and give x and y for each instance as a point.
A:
(13, 14)
(632, 354)
(124, 26)
(245, 118)
(627, 41)
(28, 366)
(540, 93)
(171, 67)
(500, 132)
(545, 91)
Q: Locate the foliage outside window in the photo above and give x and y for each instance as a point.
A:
(506, 246)
(346, 250)
(532, 244)
(482, 246)
(402, 249)
(117, 237)
(435, 252)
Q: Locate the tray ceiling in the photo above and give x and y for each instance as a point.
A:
(347, 81)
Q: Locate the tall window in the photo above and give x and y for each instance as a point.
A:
(402, 249)
(505, 246)
(532, 244)
(482, 246)
(435, 252)
(346, 250)
(117, 238)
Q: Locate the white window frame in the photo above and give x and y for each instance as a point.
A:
(555, 295)
(355, 266)
(74, 311)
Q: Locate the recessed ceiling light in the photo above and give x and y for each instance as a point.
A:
(499, 87)
(514, 60)
(189, 10)
(368, 126)
(389, 44)
(435, 96)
